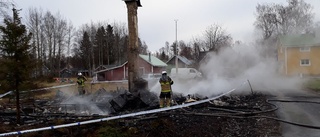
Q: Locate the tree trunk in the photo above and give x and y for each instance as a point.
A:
(133, 44)
(17, 103)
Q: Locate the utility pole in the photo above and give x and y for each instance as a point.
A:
(132, 6)
(176, 49)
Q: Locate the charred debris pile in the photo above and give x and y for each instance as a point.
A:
(232, 115)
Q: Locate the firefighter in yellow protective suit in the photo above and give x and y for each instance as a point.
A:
(166, 91)
(80, 81)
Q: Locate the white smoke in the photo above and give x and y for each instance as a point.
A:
(233, 66)
(81, 105)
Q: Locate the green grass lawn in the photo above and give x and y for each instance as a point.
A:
(313, 84)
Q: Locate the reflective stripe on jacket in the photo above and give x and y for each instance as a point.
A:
(165, 83)
(80, 82)
(165, 86)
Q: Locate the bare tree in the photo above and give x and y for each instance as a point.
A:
(34, 22)
(55, 34)
(196, 51)
(200, 43)
(48, 26)
(266, 21)
(167, 49)
(316, 28)
(275, 19)
(4, 6)
(70, 36)
(60, 36)
(52, 36)
(216, 37)
(299, 17)
(143, 49)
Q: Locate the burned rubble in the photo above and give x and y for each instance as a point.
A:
(65, 106)
(226, 116)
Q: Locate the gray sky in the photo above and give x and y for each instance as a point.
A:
(156, 17)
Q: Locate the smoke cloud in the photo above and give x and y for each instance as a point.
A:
(232, 67)
(224, 71)
(83, 105)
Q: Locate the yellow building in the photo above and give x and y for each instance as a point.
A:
(299, 55)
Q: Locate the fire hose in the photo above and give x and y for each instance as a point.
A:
(60, 86)
(120, 116)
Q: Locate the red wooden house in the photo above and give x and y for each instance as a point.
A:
(146, 64)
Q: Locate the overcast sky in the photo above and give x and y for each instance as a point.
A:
(156, 17)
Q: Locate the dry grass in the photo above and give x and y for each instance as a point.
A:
(71, 90)
(46, 95)
(107, 86)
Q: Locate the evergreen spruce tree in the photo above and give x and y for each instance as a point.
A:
(110, 48)
(85, 48)
(15, 53)
(100, 42)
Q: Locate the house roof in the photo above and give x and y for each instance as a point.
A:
(104, 67)
(304, 40)
(153, 60)
(65, 70)
(112, 68)
(183, 59)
